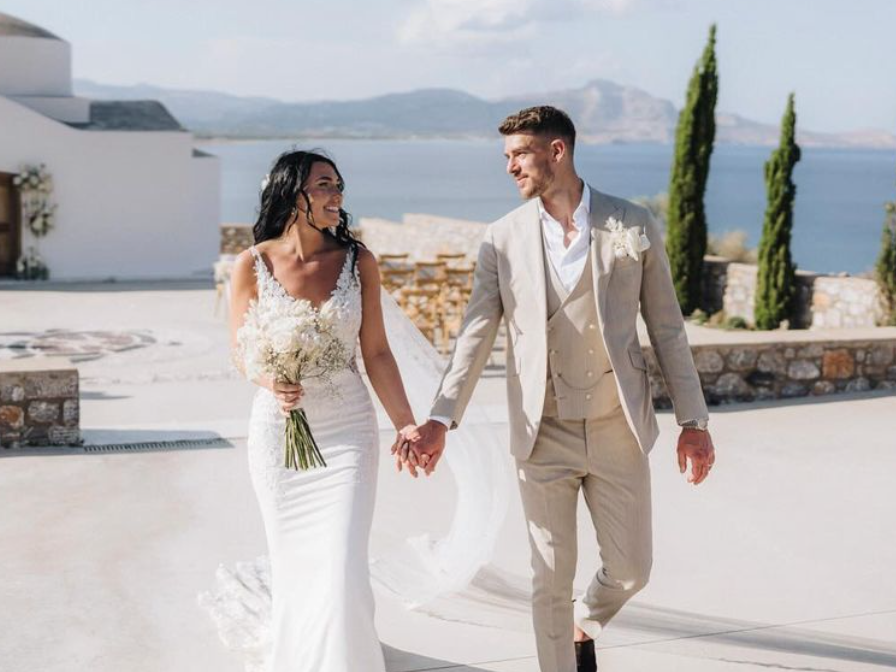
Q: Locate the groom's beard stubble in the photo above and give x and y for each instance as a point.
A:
(538, 185)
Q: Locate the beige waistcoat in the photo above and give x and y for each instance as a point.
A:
(580, 380)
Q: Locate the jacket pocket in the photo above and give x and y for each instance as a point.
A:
(625, 262)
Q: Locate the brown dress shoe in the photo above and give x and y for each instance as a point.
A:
(586, 661)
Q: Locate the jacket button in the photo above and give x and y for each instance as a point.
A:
(590, 373)
(588, 397)
(590, 351)
(592, 326)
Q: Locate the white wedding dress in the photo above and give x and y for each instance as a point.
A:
(308, 607)
(317, 522)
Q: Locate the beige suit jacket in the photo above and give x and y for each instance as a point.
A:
(510, 284)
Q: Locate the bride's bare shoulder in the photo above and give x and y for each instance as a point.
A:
(367, 264)
(243, 270)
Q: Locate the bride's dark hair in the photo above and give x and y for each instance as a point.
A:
(283, 188)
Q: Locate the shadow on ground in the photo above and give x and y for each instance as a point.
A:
(398, 660)
(109, 285)
(105, 441)
(499, 599)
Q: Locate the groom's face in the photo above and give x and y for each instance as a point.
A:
(529, 163)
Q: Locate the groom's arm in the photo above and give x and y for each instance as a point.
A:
(475, 339)
(665, 326)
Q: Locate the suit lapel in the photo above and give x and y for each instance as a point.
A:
(602, 253)
(532, 253)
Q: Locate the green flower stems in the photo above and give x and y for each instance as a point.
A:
(302, 452)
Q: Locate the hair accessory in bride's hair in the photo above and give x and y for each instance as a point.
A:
(265, 180)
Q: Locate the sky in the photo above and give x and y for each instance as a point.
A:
(836, 56)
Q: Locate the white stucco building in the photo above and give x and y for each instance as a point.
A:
(134, 198)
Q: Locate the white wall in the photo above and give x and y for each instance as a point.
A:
(62, 108)
(131, 204)
(35, 66)
(207, 182)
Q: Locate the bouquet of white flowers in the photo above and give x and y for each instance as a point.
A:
(292, 342)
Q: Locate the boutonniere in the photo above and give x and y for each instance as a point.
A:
(627, 242)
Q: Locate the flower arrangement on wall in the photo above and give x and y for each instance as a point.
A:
(35, 185)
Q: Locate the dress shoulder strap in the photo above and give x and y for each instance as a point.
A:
(263, 271)
(262, 275)
(355, 255)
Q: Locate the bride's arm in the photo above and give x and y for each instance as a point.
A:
(378, 359)
(243, 288)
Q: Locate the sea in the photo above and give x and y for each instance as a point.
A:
(838, 215)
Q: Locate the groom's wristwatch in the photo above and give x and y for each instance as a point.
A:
(702, 424)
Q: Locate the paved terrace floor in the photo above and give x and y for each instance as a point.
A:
(783, 560)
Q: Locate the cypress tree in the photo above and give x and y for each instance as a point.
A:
(776, 284)
(886, 263)
(694, 137)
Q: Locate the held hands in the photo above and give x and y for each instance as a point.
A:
(696, 445)
(420, 447)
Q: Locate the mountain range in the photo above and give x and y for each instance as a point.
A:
(604, 112)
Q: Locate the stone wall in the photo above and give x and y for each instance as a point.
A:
(38, 407)
(235, 238)
(758, 371)
(422, 236)
(846, 302)
(823, 301)
(715, 276)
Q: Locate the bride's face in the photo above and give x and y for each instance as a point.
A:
(324, 188)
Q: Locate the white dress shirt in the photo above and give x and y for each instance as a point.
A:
(568, 262)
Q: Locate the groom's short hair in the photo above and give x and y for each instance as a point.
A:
(541, 120)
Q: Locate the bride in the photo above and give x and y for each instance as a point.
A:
(317, 522)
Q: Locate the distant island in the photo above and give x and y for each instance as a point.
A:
(605, 112)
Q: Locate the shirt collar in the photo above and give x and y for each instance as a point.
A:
(579, 216)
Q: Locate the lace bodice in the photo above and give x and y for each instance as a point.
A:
(343, 305)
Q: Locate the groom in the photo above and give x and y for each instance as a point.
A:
(568, 271)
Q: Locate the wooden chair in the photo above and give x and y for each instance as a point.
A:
(223, 268)
(452, 259)
(429, 273)
(455, 295)
(461, 276)
(396, 279)
(422, 306)
(394, 260)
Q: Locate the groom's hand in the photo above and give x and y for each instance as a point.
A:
(697, 446)
(428, 450)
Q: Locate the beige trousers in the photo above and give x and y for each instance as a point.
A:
(602, 459)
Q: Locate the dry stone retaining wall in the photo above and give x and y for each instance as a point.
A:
(235, 238)
(759, 371)
(422, 236)
(824, 301)
(39, 408)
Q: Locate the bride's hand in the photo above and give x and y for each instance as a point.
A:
(288, 396)
(401, 449)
